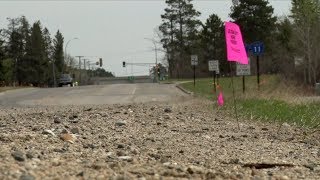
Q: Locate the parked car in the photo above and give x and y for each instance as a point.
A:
(65, 79)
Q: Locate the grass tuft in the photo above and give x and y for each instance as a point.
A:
(276, 101)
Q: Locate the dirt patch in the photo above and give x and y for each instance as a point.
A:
(186, 140)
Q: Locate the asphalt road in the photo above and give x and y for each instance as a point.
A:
(96, 94)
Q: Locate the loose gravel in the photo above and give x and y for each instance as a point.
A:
(185, 140)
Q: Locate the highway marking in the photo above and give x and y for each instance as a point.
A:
(134, 90)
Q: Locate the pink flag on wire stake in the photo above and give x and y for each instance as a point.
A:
(235, 46)
(220, 99)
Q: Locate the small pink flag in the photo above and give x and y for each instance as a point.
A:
(235, 46)
(220, 99)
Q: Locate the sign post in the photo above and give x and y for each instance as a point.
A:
(194, 76)
(194, 63)
(243, 70)
(257, 49)
(243, 84)
(258, 72)
(214, 67)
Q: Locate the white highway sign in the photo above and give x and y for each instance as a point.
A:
(214, 66)
(243, 69)
(194, 60)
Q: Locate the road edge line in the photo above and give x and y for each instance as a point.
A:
(183, 89)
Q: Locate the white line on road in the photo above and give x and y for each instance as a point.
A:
(134, 90)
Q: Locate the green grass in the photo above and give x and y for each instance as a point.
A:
(204, 87)
(2, 89)
(8, 88)
(280, 111)
(175, 80)
(273, 102)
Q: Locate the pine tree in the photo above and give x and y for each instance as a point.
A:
(281, 60)
(285, 33)
(24, 30)
(212, 41)
(47, 43)
(15, 37)
(2, 56)
(37, 63)
(15, 45)
(255, 18)
(48, 49)
(180, 29)
(25, 52)
(2, 48)
(58, 52)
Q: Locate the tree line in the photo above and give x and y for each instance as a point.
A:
(30, 56)
(27, 53)
(291, 42)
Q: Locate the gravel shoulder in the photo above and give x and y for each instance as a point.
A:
(182, 140)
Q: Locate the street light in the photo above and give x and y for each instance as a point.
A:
(65, 49)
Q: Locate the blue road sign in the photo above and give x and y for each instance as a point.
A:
(257, 48)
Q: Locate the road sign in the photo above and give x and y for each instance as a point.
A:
(298, 61)
(214, 66)
(194, 60)
(243, 69)
(257, 48)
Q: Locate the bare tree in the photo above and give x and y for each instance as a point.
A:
(305, 14)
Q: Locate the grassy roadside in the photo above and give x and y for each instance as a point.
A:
(276, 100)
(8, 88)
(175, 80)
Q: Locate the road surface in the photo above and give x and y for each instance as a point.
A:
(97, 94)
(161, 140)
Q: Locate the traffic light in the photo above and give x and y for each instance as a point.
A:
(123, 64)
(100, 62)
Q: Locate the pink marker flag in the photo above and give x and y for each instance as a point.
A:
(220, 99)
(235, 46)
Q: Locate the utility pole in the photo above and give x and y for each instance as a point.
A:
(54, 74)
(15, 71)
(79, 68)
(157, 68)
(85, 72)
(84, 64)
(89, 70)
